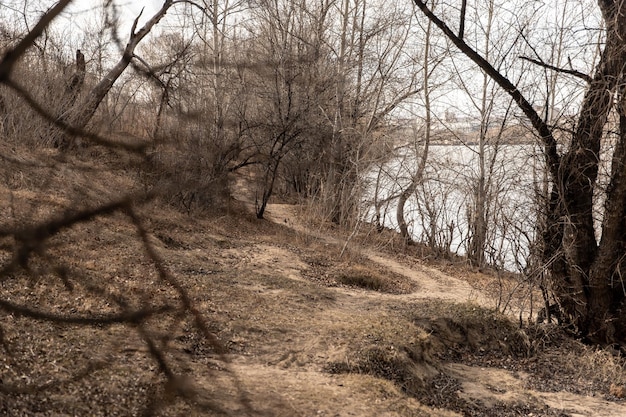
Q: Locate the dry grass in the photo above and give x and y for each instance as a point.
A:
(370, 277)
(306, 332)
(358, 276)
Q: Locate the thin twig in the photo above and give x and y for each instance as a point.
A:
(92, 320)
(168, 278)
(575, 73)
(29, 389)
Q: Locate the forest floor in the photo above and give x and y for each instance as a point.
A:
(306, 327)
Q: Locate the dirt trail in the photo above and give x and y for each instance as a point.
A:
(491, 385)
(299, 340)
(483, 385)
(292, 368)
(432, 283)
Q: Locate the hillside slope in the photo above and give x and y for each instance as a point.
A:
(299, 330)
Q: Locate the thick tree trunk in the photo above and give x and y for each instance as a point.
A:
(605, 318)
(586, 270)
(586, 275)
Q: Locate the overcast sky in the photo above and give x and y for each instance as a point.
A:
(128, 9)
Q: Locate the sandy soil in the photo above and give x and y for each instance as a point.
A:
(488, 386)
(304, 331)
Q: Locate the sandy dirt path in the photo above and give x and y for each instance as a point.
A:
(486, 385)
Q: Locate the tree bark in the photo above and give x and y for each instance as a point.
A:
(419, 175)
(406, 193)
(83, 113)
(586, 274)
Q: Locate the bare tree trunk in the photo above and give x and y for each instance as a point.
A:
(78, 79)
(217, 56)
(415, 181)
(72, 90)
(419, 175)
(583, 279)
(478, 220)
(271, 171)
(336, 169)
(585, 274)
(83, 113)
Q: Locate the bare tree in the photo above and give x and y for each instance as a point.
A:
(585, 271)
(286, 89)
(371, 51)
(37, 249)
(418, 177)
(80, 115)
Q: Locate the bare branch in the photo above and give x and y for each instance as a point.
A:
(462, 24)
(13, 55)
(100, 90)
(537, 122)
(391, 106)
(135, 22)
(150, 72)
(575, 73)
(91, 320)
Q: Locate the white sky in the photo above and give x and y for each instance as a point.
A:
(79, 24)
(128, 9)
(80, 14)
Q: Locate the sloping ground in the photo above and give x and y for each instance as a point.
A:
(300, 331)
